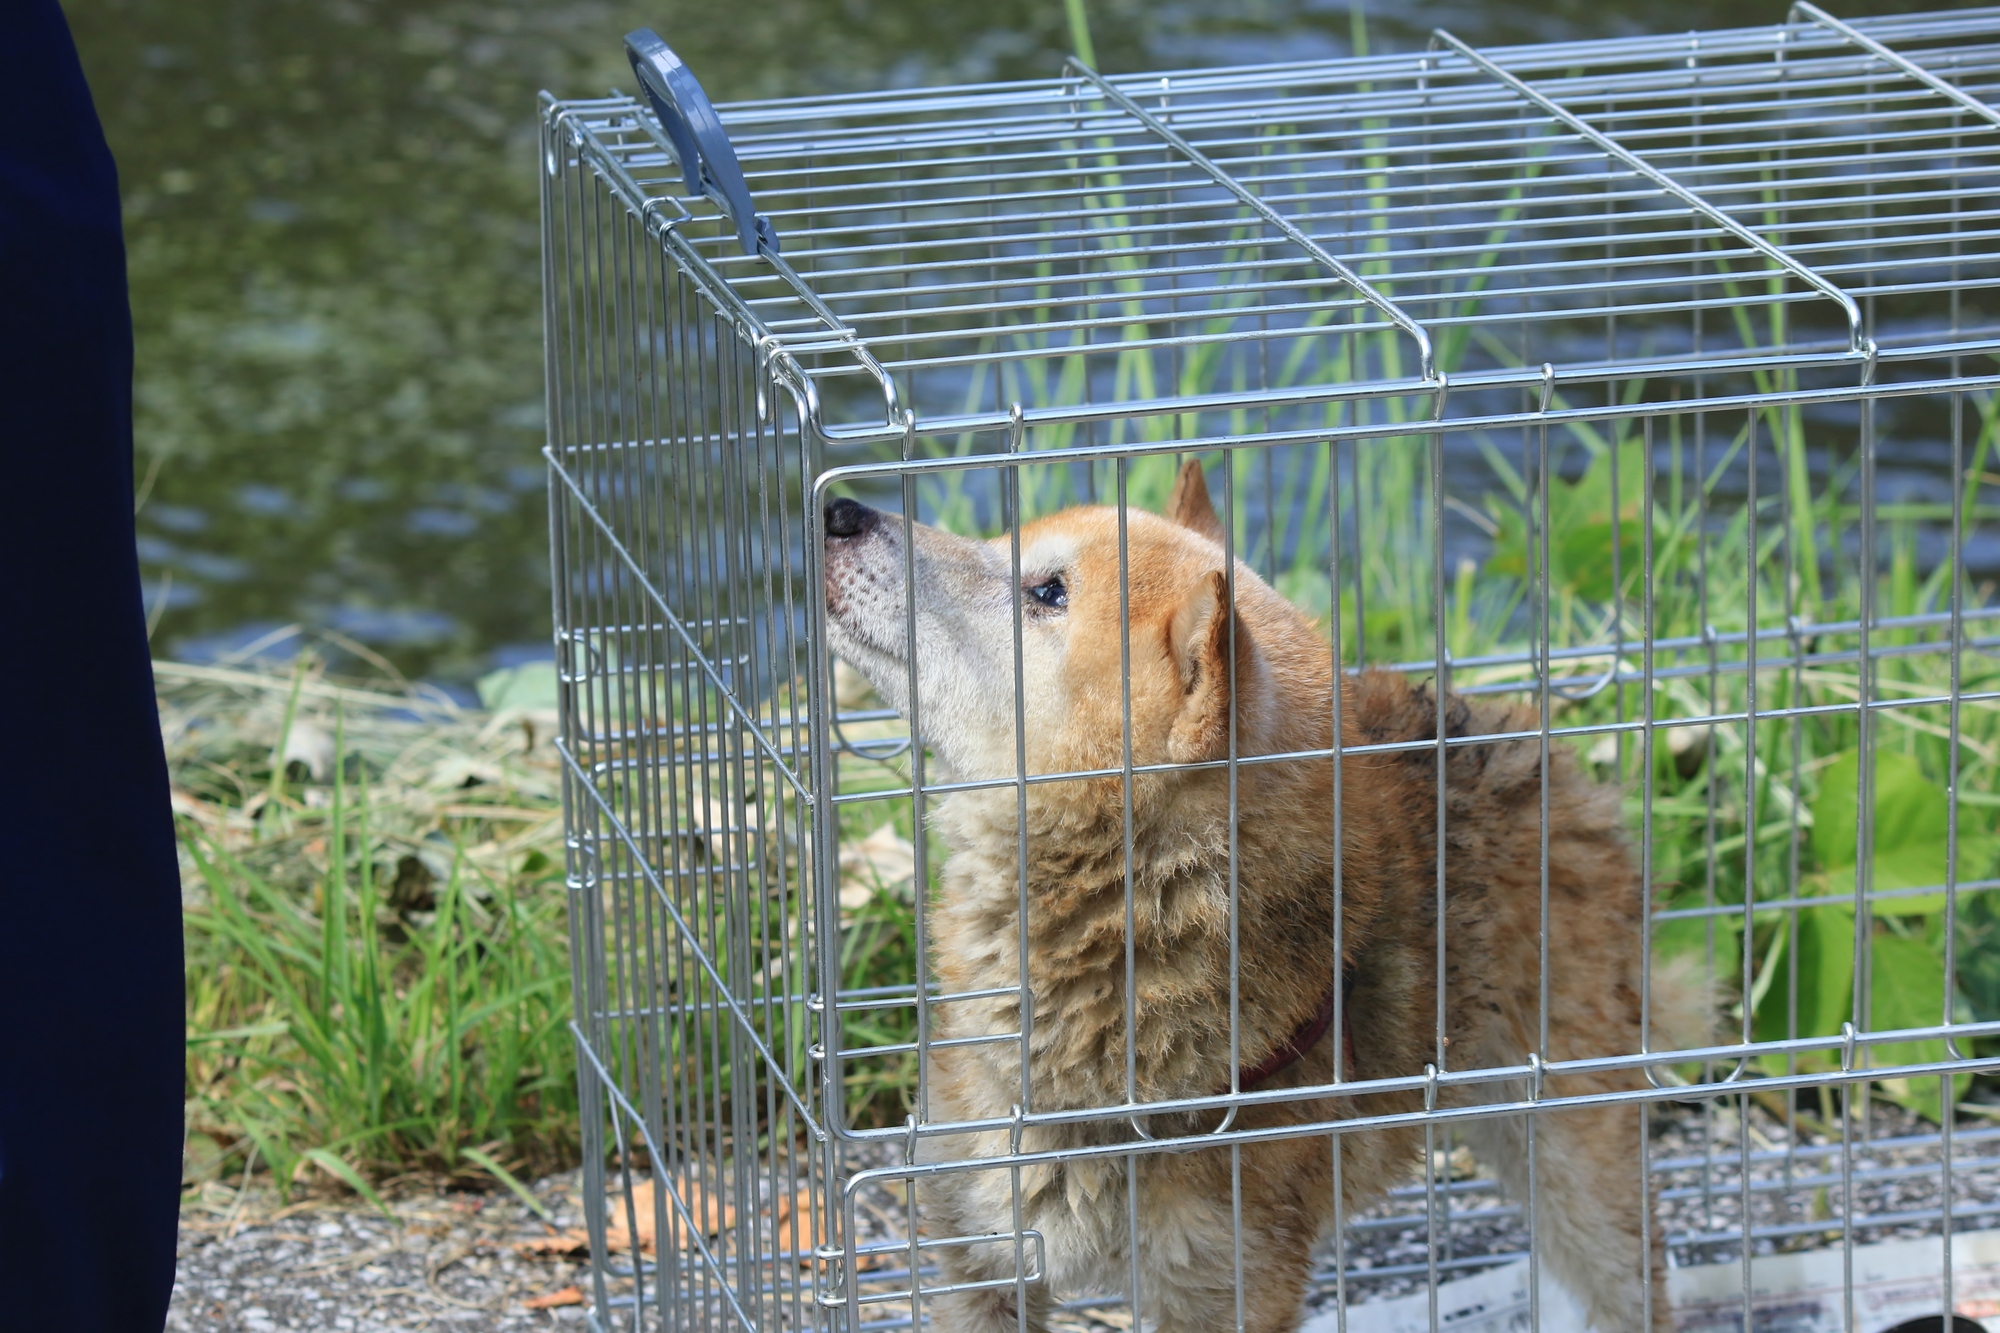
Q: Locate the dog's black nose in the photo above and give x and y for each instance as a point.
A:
(847, 518)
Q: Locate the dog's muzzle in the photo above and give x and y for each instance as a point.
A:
(854, 565)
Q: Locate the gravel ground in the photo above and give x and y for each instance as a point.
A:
(1695, 1155)
(443, 1261)
(448, 1260)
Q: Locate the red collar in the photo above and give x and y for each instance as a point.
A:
(1303, 1040)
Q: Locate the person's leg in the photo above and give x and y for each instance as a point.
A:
(90, 944)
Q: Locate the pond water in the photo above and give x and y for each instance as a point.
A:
(331, 207)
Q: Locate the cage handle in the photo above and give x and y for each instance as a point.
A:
(708, 160)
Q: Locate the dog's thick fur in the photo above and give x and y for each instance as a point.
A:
(1074, 662)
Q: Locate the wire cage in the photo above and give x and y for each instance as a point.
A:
(1635, 396)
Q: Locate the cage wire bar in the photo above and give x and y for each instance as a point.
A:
(1645, 382)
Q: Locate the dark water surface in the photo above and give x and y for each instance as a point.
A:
(331, 208)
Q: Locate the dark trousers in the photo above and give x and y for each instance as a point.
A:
(90, 946)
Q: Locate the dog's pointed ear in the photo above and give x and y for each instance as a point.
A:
(1199, 639)
(1189, 504)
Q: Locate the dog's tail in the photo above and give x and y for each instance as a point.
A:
(1686, 1012)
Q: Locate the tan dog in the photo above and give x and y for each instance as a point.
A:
(1182, 709)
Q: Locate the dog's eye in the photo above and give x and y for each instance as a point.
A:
(1052, 593)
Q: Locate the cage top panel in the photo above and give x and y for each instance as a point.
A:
(1656, 216)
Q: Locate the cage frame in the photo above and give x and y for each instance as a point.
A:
(614, 142)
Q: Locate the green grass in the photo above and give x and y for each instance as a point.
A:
(377, 955)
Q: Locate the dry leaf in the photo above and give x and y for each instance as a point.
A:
(617, 1236)
(797, 1204)
(883, 859)
(711, 1212)
(567, 1296)
(574, 1241)
(795, 1226)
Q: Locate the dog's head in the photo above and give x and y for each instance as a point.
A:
(1089, 600)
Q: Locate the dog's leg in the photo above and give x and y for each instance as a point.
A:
(1590, 1205)
(992, 1310)
(978, 1204)
(1201, 1297)
(1193, 1267)
(1002, 1308)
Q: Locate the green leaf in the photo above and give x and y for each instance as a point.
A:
(1824, 962)
(1909, 835)
(1906, 990)
(1979, 953)
(1909, 809)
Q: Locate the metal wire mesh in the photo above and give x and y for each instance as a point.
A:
(1647, 383)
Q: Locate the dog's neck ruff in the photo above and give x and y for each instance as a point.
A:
(1308, 1035)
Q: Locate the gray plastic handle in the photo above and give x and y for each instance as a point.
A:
(708, 160)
